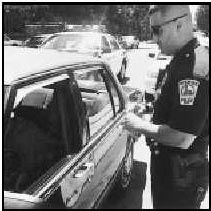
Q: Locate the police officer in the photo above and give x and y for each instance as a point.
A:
(179, 165)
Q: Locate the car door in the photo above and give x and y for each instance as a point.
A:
(37, 152)
(90, 156)
(106, 135)
(79, 180)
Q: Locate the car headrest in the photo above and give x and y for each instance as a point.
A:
(38, 98)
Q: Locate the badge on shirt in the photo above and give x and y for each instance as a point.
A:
(187, 91)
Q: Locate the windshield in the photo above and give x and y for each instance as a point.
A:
(72, 42)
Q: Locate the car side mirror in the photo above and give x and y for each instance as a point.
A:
(151, 55)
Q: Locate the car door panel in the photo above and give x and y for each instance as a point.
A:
(109, 140)
(75, 183)
(106, 162)
(96, 163)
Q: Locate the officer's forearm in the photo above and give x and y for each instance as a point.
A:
(166, 135)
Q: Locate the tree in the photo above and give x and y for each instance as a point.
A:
(202, 17)
(16, 16)
(124, 19)
(129, 20)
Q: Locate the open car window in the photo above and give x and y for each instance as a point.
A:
(96, 98)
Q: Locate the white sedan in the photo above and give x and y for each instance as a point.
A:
(101, 45)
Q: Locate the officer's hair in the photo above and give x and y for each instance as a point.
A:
(168, 9)
(159, 8)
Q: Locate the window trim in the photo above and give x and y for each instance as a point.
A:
(109, 75)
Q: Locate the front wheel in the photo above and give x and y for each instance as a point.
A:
(121, 75)
(126, 170)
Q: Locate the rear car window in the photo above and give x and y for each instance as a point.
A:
(33, 141)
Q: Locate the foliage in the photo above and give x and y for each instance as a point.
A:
(129, 20)
(119, 19)
(202, 17)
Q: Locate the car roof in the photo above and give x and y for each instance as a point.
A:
(42, 35)
(22, 62)
(84, 33)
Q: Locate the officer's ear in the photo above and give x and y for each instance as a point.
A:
(179, 25)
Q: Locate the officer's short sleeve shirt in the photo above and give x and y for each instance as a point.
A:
(184, 100)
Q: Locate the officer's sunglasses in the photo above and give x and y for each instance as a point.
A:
(157, 28)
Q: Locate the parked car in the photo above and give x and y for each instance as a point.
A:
(37, 40)
(96, 44)
(130, 42)
(150, 46)
(9, 41)
(64, 146)
(202, 38)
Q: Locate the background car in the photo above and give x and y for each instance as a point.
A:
(64, 146)
(10, 42)
(202, 38)
(130, 42)
(37, 40)
(101, 45)
(151, 47)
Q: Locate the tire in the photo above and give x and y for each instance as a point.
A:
(122, 73)
(127, 167)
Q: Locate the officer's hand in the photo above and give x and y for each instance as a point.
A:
(131, 123)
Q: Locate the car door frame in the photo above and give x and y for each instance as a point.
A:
(109, 145)
(68, 164)
(71, 162)
(36, 189)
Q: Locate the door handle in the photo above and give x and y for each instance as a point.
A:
(83, 170)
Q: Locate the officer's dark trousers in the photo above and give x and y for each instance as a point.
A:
(172, 189)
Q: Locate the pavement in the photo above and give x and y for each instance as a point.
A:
(138, 195)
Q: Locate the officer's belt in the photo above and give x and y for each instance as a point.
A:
(175, 150)
(168, 149)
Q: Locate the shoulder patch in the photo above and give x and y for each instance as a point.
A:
(201, 67)
(187, 91)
